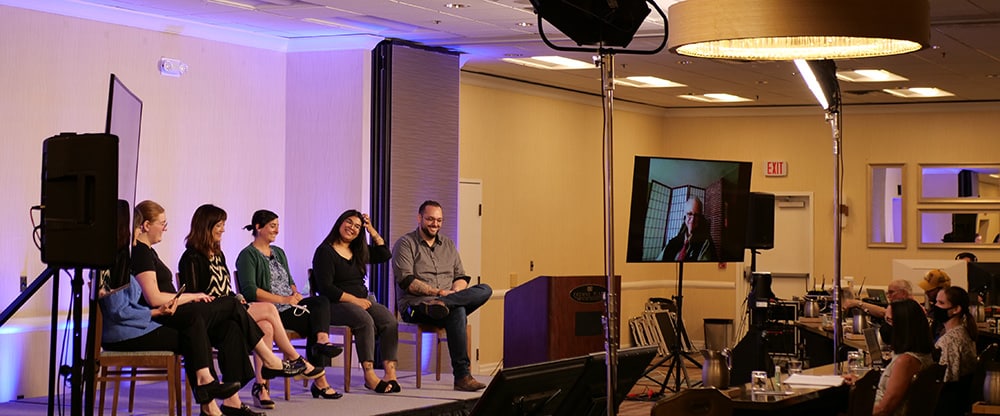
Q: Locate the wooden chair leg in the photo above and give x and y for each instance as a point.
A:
(131, 391)
(104, 385)
(437, 343)
(348, 360)
(418, 347)
(288, 388)
(114, 399)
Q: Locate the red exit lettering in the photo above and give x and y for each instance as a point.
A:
(775, 168)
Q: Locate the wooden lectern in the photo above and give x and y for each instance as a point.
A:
(553, 317)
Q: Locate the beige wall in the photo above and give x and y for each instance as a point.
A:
(539, 155)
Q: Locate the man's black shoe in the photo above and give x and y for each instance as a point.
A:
(434, 308)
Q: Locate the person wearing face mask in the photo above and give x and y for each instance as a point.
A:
(958, 349)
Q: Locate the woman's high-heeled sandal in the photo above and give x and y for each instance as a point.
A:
(255, 391)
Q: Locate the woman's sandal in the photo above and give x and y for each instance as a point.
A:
(382, 387)
(395, 386)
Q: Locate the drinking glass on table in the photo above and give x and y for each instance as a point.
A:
(856, 363)
(758, 381)
(794, 366)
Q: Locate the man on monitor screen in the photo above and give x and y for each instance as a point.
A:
(692, 242)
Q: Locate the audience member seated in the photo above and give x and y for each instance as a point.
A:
(958, 349)
(911, 346)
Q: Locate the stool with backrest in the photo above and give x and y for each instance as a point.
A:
(694, 402)
(417, 332)
(143, 366)
(924, 391)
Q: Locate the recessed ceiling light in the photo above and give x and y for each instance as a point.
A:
(236, 4)
(525, 24)
(332, 24)
(869, 75)
(550, 62)
(918, 92)
(714, 98)
(647, 82)
(456, 5)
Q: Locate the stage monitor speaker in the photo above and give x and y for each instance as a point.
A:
(592, 22)
(79, 198)
(760, 221)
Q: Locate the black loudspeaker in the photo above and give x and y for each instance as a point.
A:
(590, 22)
(79, 197)
(968, 183)
(760, 221)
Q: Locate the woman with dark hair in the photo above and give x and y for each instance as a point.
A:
(911, 353)
(339, 266)
(203, 269)
(223, 321)
(958, 349)
(264, 278)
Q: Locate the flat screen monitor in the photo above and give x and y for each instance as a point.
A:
(530, 390)
(589, 397)
(671, 196)
(124, 120)
(984, 280)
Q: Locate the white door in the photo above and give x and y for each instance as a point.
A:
(470, 243)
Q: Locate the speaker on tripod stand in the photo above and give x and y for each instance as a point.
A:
(751, 353)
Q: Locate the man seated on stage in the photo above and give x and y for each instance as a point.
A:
(434, 289)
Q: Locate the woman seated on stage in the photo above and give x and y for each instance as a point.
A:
(264, 278)
(223, 321)
(130, 326)
(911, 353)
(339, 265)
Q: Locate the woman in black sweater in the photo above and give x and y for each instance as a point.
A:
(339, 266)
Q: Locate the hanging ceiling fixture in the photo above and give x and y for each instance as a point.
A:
(781, 30)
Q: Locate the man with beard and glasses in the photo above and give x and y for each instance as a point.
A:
(434, 289)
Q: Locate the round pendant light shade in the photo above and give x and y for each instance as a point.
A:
(780, 30)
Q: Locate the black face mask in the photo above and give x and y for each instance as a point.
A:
(939, 315)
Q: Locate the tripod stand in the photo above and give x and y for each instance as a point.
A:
(677, 345)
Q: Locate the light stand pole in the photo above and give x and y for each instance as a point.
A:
(833, 116)
(606, 63)
(821, 77)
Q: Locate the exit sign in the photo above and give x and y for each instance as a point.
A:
(776, 168)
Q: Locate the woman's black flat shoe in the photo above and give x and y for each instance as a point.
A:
(382, 387)
(326, 350)
(214, 390)
(255, 391)
(243, 410)
(395, 386)
(318, 392)
(286, 370)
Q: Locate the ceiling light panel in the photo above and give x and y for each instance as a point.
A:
(918, 92)
(869, 75)
(715, 98)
